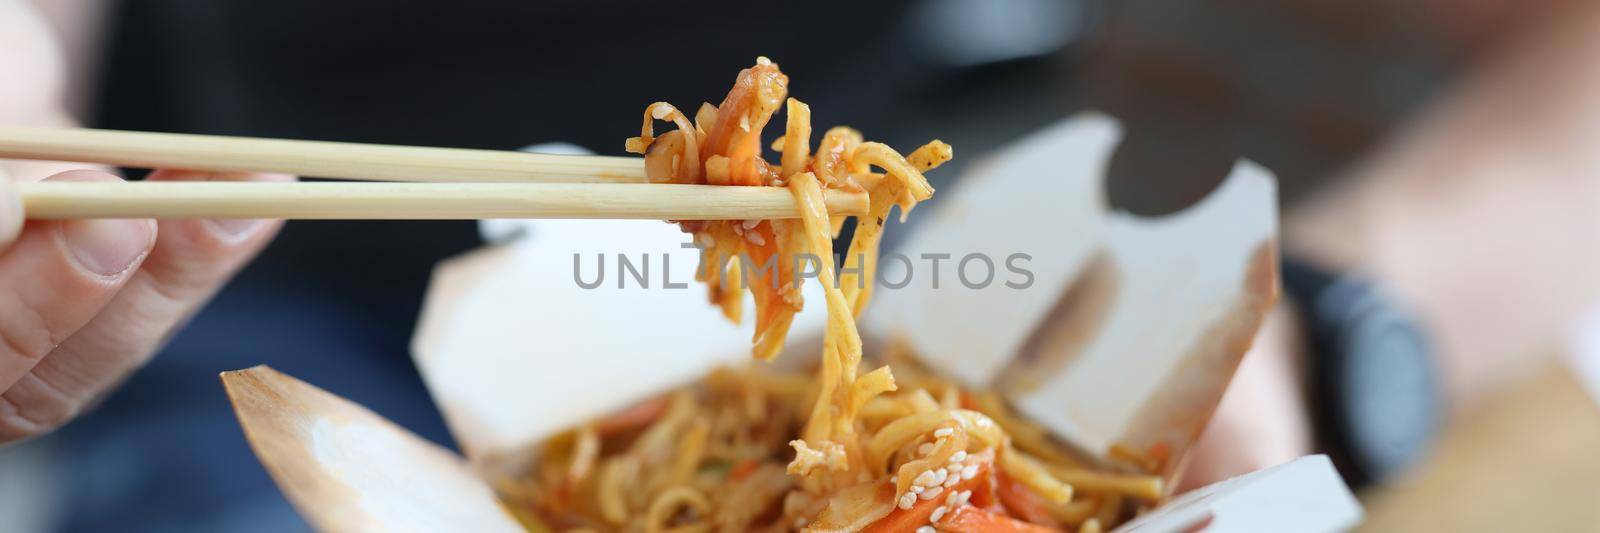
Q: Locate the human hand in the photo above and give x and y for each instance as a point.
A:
(85, 302)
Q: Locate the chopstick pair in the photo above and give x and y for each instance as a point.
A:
(460, 183)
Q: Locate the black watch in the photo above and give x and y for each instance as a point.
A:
(1370, 379)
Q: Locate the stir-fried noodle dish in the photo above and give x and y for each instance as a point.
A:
(838, 449)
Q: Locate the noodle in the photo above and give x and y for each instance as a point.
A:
(585, 452)
(1029, 472)
(839, 450)
(670, 502)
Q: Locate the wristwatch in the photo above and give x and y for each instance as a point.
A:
(1370, 382)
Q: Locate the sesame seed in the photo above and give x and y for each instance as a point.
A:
(750, 223)
(943, 432)
(756, 238)
(951, 499)
(963, 496)
(970, 471)
(937, 514)
(952, 480)
(917, 489)
(924, 479)
(959, 456)
(940, 476)
(927, 529)
(931, 493)
(907, 500)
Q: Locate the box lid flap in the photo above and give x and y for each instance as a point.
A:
(1124, 329)
(347, 469)
(1180, 298)
(1305, 494)
(1042, 197)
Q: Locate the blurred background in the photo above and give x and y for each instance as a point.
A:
(1324, 93)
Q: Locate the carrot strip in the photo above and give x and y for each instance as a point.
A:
(743, 469)
(987, 497)
(908, 520)
(970, 519)
(1023, 503)
(636, 416)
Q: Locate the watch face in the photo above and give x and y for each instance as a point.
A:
(1386, 388)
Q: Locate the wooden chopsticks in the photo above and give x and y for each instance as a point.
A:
(331, 200)
(351, 161)
(480, 183)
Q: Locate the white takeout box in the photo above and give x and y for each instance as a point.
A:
(514, 348)
(1133, 326)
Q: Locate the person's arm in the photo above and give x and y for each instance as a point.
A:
(1482, 217)
(83, 303)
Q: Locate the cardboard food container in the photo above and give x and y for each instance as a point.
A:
(571, 320)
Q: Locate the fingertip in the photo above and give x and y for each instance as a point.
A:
(228, 232)
(83, 174)
(108, 248)
(199, 175)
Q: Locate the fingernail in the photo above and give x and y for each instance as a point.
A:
(108, 246)
(239, 229)
(233, 229)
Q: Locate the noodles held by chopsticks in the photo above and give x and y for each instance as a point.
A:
(758, 450)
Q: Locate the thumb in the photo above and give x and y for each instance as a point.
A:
(10, 211)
